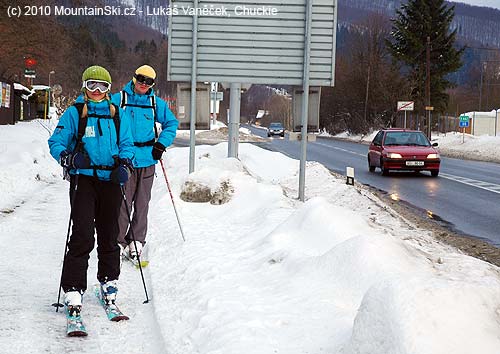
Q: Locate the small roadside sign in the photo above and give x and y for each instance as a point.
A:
(216, 96)
(429, 108)
(464, 121)
(406, 105)
(29, 73)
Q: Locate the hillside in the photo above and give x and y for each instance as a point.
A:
(475, 24)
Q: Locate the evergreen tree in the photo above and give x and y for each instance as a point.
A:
(415, 21)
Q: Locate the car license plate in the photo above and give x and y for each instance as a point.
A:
(414, 163)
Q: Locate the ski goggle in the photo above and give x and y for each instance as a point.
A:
(144, 80)
(94, 85)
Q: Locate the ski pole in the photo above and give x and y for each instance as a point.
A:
(133, 239)
(72, 199)
(172, 199)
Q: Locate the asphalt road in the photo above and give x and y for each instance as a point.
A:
(465, 197)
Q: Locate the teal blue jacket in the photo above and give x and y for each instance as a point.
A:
(143, 125)
(100, 140)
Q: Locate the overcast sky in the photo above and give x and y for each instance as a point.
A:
(489, 3)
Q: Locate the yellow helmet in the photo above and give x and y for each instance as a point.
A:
(146, 71)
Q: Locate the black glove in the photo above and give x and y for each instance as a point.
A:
(74, 160)
(121, 174)
(158, 149)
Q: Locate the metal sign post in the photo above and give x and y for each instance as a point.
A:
(464, 123)
(194, 63)
(305, 103)
(293, 43)
(234, 120)
(405, 106)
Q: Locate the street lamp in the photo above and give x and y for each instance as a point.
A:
(52, 72)
(50, 89)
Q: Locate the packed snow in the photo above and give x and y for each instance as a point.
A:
(263, 273)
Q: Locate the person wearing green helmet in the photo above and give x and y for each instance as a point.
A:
(145, 109)
(94, 144)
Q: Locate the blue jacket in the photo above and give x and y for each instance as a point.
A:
(100, 141)
(142, 121)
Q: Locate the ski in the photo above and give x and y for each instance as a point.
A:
(134, 261)
(112, 311)
(74, 324)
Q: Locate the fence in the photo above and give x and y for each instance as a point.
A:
(440, 123)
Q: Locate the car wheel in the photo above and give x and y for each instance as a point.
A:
(283, 135)
(434, 173)
(370, 167)
(384, 170)
(268, 135)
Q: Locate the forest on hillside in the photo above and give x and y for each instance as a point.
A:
(367, 83)
(69, 44)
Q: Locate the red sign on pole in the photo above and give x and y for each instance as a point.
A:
(29, 62)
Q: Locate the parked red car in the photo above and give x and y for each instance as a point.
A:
(402, 149)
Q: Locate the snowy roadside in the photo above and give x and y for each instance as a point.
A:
(340, 273)
(264, 273)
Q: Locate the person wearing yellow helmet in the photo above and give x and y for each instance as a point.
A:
(145, 110)
(93, 142)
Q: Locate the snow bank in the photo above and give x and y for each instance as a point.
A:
(25, 161)
(265, 273)
(427, 315)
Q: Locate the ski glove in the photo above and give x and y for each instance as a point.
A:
(121, 174)
(158, 149)
(74, 160)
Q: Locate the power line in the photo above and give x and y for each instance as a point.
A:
(482, 48)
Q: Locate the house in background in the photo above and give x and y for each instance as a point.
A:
(6, 102)
(483, 123)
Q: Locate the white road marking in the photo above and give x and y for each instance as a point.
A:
(495, 188)
(337, 148)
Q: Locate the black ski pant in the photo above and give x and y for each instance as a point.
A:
(95, 207)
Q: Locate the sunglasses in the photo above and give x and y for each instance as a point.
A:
(94, 85)
(144, 79)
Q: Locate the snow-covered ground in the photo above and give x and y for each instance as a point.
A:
(452, 144)
(264, 273)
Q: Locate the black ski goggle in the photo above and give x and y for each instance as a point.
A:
(94, 85)
(144, 80)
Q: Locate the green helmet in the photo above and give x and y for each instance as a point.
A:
(97, 73)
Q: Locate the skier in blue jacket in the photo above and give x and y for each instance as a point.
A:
(144, 108)
(93, 142)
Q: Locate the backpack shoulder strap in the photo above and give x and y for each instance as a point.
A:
(123, 98)
(82, 122)
(155, 119)
(116, 121)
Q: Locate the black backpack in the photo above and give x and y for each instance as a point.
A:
(82, 125)
(124, 103)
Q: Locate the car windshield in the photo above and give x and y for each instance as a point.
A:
(406, 138)
(276, 126)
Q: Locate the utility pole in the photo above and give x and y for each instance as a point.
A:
(428, 87)
(483, 65)
(367, 91)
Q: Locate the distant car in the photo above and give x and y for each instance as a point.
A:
(402, 149)
(276, 129)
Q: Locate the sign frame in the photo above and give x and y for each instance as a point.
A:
(253, 49)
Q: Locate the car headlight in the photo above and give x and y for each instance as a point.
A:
(393, 155)
(433, 156)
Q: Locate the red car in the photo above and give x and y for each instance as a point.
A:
(402, 149)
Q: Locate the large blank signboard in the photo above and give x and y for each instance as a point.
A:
(252, 41)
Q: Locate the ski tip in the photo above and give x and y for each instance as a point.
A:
(77, 334)
(144, 264)
(120, 318)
